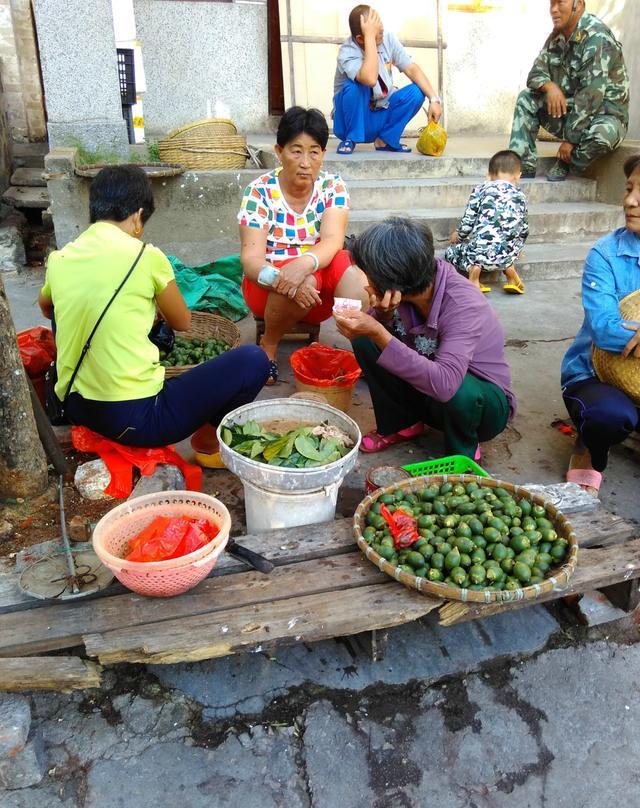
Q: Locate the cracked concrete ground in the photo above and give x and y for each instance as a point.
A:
(558, 727)
(517, 709)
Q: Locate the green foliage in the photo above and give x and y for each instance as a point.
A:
(298, 448)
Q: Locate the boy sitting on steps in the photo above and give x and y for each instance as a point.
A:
(492, 232)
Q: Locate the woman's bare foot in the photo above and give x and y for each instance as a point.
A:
(582, 472)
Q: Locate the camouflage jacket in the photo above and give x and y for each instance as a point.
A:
(496, 212)
(590, 70)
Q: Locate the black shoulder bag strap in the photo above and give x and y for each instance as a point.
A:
(87, 344)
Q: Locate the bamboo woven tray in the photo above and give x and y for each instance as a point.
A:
(152, 170)
(556, 581)
(206, 326)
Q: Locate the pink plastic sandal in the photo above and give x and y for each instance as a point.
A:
(375, 442)
(586, 478)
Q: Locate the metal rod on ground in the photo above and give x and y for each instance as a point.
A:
(47, 435)
(65, 541)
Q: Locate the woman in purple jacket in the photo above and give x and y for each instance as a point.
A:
(431, 347)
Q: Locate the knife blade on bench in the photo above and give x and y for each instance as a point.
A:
(255, 560)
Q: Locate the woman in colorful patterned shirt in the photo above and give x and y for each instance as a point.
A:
(292, 228)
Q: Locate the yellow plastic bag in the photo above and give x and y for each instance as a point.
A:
(432, 140)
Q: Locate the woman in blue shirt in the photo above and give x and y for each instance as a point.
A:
(603, 415)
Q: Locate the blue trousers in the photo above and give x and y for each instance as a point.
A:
(354, 119)
(185, 403)
(603, 415)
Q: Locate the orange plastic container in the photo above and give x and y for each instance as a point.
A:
(160, 578)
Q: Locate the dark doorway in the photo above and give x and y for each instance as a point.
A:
(276, 82)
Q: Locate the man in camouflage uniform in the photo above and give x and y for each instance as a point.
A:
(578, 89)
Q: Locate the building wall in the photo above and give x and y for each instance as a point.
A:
(20, 72)
(200, 59)
(490, 53)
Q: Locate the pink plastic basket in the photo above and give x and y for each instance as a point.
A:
(160, 578)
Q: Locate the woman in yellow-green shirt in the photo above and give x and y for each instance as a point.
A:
(120, 390)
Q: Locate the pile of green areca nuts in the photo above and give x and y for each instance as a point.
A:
(192, 352)
(470, 536)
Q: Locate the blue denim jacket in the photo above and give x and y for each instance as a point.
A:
(611, 272)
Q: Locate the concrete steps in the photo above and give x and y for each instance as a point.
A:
(29, 176)
(28, 155)
(453, 192)
(553, 260)
(26, 197)
(364, 165)
(548, 222)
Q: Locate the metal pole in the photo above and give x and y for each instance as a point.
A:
(65, 541)
(440, 59)
(292, 79)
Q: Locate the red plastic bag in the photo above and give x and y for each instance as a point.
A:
(167, 538)
(121, 460)
(404, 528)
(323, 366)
(37, 350)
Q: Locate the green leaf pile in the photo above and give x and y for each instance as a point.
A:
(296, 449)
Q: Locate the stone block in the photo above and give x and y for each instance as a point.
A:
(91, 479)
(27, 768)
(12, 254)
(102, 136)
(164, 478)
(15, 720)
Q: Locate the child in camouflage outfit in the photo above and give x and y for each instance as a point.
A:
(494, 227)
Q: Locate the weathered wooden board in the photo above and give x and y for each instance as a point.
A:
(601, 528)
(280, 546)
(63, 625)
(259, 626)
(597, 567)
(48, 673)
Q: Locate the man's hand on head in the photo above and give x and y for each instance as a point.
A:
(371, 24)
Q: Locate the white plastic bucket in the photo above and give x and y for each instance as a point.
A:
(277, 497)
(268, 510)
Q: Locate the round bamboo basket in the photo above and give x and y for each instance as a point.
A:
(213, 143)
(557, 579)
(206, 326)
(615, 369)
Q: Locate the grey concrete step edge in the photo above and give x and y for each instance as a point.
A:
(548, 261)
(30, 177)
(454, 192)
(363, 167)
(561, 223)
(534, 209)
(26, 197)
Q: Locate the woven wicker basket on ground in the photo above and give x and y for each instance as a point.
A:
(614, 368)
(206, 326)
(210, 144)
(440, 590)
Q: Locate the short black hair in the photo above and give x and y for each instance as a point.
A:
(118, 191)
(505, 162)
(630, 165)
(396, 254)
(297, 121)
(354, 19)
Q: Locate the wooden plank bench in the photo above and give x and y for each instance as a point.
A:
(321, 587)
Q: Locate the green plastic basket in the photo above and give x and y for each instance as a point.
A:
(455, 464)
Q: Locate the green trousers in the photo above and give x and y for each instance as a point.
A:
(477, 412)
(604, 134)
